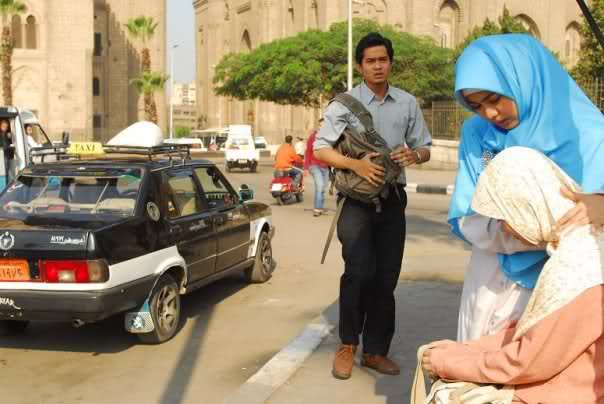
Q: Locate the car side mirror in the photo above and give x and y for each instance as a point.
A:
(245, 193)
(65, 138)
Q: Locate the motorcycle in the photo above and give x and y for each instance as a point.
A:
(283, 187)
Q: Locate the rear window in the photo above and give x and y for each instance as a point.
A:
(75, 195)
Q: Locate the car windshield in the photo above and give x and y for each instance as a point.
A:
(101, 194)
(240, 141)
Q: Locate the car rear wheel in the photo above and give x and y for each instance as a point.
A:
(300, 197)
(165, 311)
(263, 267)
(12, 327)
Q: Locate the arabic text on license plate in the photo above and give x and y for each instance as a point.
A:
(243, 161)
(14, 270)
(276, 187)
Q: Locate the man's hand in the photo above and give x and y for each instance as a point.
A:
(306, 173)
(369, 171)
(404, 156)
(589, 210)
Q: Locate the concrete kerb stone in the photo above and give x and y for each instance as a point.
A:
(430, 189)
(258, 388)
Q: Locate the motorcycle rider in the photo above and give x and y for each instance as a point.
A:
(289, 161)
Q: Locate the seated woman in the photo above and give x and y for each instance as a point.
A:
(555, 353)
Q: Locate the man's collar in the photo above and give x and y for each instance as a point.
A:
(367, 95)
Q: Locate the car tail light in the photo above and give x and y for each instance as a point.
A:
(74, 271)
(233, 147)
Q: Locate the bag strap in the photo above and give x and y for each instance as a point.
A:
(591, 21)
(334, 223)
(357, 108)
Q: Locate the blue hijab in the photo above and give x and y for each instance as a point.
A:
(556, 118)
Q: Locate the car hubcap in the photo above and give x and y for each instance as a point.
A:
(266, 256)
(167, 308)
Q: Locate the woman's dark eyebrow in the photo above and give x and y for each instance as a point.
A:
(483, 99)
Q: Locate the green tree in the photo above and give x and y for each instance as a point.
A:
(182, 131)
(149, 83)
(8, 8)
(308, 67)
(506, 24)
(591, 55)
(143, 28)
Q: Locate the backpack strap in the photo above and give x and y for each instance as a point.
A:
(334, 223)
(363, 115)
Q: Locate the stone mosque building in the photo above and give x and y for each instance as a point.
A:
(224, 26)
(73, 62)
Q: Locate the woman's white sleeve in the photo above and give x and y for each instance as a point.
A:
(486, 234)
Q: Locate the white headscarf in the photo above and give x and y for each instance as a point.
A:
(522, 187)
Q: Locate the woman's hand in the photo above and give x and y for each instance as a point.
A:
(426, 361)
(589, 210)
(427, 365)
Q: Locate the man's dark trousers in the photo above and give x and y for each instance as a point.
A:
(372, 247)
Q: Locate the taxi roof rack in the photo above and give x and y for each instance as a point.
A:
(58, 152)
(171, 151)
(37, 155)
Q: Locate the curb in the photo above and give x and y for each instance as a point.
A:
(258, 388)
(430, 189)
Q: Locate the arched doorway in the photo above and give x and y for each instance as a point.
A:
(448, 24)
(572, 44)
(529, 24)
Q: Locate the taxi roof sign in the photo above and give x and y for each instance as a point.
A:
(85, 148)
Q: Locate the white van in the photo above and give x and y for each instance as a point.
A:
(240, 150)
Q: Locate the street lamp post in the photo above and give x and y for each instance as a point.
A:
(350, 39)
(172, 89)
(349, 45)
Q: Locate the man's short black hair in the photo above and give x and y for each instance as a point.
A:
(288, 139)
(371, 40)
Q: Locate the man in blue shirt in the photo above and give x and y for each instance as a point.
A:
(373, 242)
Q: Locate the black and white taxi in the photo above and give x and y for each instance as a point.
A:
(83, 239)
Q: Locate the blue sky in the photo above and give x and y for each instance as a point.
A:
(181, 31)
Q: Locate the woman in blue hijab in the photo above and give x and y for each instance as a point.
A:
(522, 96)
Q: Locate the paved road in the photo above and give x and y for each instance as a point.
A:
(230, 329)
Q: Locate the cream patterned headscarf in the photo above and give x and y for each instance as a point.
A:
(522, 187)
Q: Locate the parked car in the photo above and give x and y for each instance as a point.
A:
(128, 232)
(240, 151)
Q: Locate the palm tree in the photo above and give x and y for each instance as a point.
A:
(149, 83)
(8, 8)
(143, 28)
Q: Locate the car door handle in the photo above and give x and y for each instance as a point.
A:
(175, 230)
(198, 226)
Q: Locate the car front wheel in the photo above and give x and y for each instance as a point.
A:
(165, 311)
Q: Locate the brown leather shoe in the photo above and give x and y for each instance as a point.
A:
(380, 364)
(342, 363)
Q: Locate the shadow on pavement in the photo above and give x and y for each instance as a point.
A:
(200, 307)
(108, 336)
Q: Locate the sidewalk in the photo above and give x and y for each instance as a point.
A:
(426, 311)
